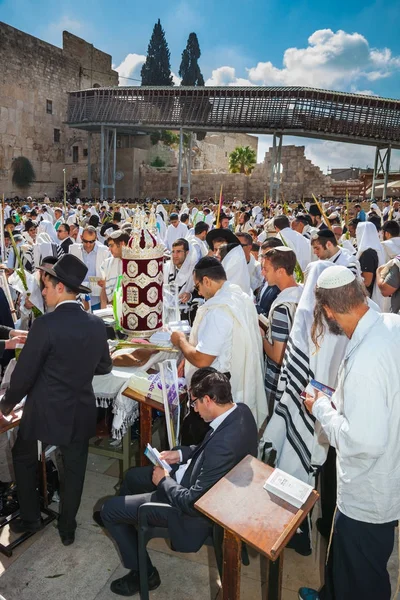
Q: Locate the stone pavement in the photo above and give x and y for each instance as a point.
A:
(43, 569)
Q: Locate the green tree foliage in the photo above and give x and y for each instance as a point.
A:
(242, 159)
(169, 138)
(157, 68)
(23, 174)
(158, 162)
(189, 70)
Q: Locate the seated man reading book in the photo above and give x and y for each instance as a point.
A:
(195, 469)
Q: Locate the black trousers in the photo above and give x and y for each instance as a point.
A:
(25, 460)
(357, 567)
(120, 514)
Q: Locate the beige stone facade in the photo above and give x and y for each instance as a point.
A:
(34, 80)
(299, 178)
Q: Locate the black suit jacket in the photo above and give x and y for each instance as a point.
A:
(66, 244)
(63, 351)
(218, 453)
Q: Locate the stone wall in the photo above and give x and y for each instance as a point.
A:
(299, 178)
(33, 72)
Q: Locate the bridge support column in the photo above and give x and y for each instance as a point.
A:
(275, 175)
(108, 161)
(180, 162)
(89, 165)
(381, 169)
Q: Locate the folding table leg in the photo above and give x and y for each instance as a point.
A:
(145, 431)
(274, 578)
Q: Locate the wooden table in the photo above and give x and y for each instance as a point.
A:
(248, 513)
(145, 407)
(5, 425)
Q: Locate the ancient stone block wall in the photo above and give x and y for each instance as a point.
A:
(299, 178)
(33, 72)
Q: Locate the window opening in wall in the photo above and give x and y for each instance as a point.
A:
(85, 152)
(49, 107)
(56, 135)
(75, 154)
(83, 186)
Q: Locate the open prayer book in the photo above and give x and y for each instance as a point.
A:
(288, 488)
(154, 456)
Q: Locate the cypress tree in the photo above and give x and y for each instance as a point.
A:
(189, 70)
(157, 68)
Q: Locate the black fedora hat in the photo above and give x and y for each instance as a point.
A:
(226, 234)
(70, 271)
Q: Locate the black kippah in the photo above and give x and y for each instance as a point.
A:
(207, 262)
(325, 233)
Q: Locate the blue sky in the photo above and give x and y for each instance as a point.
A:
(352, 46)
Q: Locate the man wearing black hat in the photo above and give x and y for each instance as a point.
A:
(325, 247)
(64, 350)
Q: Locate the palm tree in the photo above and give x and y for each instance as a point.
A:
(242, 159)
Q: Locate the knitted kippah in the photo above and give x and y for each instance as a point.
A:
(334, 277)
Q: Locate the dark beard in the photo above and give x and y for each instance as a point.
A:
(333, 326)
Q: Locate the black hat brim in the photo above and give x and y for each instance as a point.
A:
(226, 234)
(81, 289)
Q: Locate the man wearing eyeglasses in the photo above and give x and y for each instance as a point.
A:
(93, 254)
(195, 469)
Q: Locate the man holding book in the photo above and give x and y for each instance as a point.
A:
(195, 469)
(361, 421)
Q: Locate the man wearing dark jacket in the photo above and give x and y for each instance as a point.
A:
(64, 350)
(232, 436)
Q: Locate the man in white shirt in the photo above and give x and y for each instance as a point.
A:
(112, 266)
(361, 421)
(175, 230)
(93, 254)
(325, 247)
(198, 241)
(296, 241)
(254, 267)
(225, 336)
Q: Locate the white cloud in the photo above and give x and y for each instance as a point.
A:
(130, 69)
(332, 60)
(226, 76)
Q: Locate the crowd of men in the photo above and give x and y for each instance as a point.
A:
(276, 297)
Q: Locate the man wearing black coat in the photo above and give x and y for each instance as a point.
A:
(64, 350)
(232, 436)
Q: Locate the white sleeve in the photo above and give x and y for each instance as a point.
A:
(215, 332)
(363, 428)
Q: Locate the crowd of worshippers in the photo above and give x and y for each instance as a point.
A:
(276, 297)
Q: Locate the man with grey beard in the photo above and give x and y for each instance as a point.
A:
(361, 421)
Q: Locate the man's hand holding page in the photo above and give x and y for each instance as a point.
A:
(172, 457)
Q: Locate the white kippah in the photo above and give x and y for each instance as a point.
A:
(334, 277)
(283, 248)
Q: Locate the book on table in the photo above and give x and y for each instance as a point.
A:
(287, 487)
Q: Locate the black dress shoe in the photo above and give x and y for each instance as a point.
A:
(130, 583)
(97, 518)
(19, 526)
(67, 538)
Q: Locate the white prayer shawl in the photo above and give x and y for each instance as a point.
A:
(45, 247)
(209, 219)
(174, 233)
(161, 226)
(161, 209)
(236, 269)
(295, 434)
(101, 255)
(111, 270)
(367, 237)
(183, 277)
(199, 246)
(48, 227)
(298, 243)
(289, 298)
(246, 365)
(391, 248)
(256, 277)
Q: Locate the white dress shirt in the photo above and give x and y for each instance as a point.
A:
(214, 424)
(364, 427)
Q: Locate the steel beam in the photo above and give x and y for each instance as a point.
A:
(102, 133)
(180, 162)
(381, 170)
(275, 173)
(89, 165)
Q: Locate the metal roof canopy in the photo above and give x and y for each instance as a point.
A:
(307, 112)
